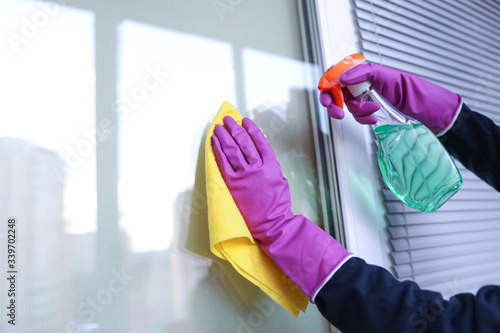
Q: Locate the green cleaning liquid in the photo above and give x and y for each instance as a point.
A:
(416, 166)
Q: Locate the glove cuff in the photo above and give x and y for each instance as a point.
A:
(306, 254)
(455, 115)
(313, 298)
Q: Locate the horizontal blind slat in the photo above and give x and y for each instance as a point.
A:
(465, 283)
(480, 6)
(455, 205)
(417, 255)
(451, 274)
(402, 244)
(437, 265)
(469, 183)
(462, 195)
(463, 13)
(420, 230)
(443, 217)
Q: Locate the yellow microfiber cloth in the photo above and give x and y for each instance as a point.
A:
(230, 238)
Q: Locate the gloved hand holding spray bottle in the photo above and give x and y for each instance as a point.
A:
(412, 160)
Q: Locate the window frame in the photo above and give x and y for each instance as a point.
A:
(362, 214)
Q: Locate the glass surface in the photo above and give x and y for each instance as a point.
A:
(107, 104)
(47, 163)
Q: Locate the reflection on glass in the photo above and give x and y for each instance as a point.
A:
(47, 160)
(162, 122)
(175, 65)
(162, 188)
(276, 93)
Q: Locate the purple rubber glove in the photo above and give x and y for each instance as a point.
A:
(307, 254)
(432, 105)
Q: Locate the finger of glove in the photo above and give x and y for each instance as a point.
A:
(335, 112)
(221, 159)
(358, 74)
(263, 146)
(366, 120)
(242, 138)
(325, 98)
(230, 148)
(361, 108)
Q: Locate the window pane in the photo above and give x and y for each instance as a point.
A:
(47, 161)
(173, 78)
(105, 108)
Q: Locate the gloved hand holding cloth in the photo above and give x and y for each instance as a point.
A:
(307, 254)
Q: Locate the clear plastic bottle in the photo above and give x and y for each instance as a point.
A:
(414, 163)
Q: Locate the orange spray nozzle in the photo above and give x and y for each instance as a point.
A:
(330, 81)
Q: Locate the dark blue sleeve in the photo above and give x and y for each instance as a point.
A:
(474, 140)
(368, 299)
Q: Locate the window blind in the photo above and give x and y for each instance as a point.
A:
(453, 43)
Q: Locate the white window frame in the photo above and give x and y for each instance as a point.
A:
(361, 203)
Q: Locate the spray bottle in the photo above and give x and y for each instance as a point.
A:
(413, 162)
